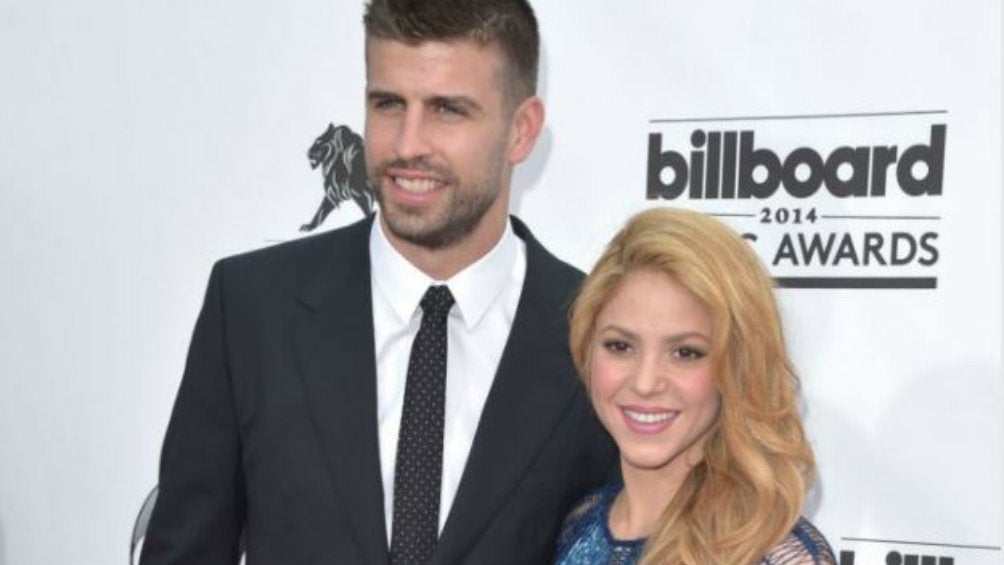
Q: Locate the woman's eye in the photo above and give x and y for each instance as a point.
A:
(616, 346)
(687, 353)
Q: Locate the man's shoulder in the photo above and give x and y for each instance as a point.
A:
(544, 265)
(296, 264)
(343, 243)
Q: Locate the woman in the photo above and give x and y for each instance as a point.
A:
(678, 340)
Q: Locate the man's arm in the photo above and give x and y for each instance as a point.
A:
(200, 508)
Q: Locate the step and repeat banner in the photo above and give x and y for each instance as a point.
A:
(856, 144)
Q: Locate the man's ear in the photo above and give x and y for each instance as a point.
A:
(527, 123)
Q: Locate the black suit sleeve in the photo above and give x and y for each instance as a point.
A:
(199, 512)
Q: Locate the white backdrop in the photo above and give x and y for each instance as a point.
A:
(141, 141)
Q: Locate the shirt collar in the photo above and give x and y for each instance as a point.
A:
(475, 288)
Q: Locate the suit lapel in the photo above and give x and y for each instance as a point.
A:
(528, 397)
(335, 353)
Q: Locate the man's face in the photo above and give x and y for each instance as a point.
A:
(437, 138)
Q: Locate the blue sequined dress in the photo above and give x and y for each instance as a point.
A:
(586, 540)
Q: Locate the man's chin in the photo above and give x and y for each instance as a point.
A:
(409, 226)
(444, 225)
(427, 234)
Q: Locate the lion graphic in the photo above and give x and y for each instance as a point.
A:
(340, 150)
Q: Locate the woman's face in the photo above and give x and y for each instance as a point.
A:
(651, 377)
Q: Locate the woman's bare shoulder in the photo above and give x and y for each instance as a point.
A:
(804, 545)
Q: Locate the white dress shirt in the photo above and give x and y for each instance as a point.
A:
(486, 294)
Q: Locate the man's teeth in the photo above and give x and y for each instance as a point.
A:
(649, 418)
(415, 185)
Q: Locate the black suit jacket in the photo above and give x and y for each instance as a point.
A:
(274, 430)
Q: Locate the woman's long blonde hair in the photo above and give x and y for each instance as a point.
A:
(747, 492)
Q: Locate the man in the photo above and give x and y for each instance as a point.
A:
(398, 391)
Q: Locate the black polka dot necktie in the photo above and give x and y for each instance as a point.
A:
(419, 468)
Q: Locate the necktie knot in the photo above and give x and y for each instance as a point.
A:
(437, 301)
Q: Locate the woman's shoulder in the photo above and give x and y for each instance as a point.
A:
(804, 545)
(585, 511)
(585, 539)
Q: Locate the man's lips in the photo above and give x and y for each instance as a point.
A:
(415, 185)
(415, 180)
(410, 187)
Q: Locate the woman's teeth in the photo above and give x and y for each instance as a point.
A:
(648, 417)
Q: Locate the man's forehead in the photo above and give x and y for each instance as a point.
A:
(449, 63)
(432, 47)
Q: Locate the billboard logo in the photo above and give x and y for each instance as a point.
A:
(897, 558)
(869, 551)
(824, 208)
(729, 165)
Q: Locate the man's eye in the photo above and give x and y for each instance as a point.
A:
(448, 109)
(387, 104)
(616, 346)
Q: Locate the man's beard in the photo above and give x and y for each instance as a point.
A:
(467, 206)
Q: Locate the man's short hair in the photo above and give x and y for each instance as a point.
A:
(509, 24)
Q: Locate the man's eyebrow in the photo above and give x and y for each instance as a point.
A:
(461, 101)
(382, 95)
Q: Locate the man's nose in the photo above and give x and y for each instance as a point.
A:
(412, 136)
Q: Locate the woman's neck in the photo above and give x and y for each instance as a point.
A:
(636, 511)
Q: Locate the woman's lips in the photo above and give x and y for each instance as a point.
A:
(647, 419)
